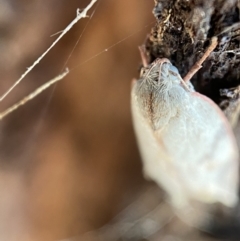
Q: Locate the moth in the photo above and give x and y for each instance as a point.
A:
(185, 141)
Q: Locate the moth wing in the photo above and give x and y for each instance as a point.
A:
(203, 150)
(157, 163)
(223, 165)
(194, 155)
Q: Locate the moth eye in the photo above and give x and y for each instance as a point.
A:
(143, 71)
(173, 73)
(173, 70)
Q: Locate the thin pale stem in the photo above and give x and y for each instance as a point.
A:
(33, 94)
(198, 65)
(80, 15)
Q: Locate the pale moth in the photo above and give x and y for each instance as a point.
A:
(185, 141)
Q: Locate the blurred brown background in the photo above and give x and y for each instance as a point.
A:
(69, 161)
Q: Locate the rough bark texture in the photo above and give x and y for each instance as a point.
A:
(182, 33)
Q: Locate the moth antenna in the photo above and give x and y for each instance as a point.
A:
(198, 64)
(143, 56)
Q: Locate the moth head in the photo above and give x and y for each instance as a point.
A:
(160, 72)
(159, 87)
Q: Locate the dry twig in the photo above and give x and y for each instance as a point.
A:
(198, 65)
(33, 94)
(80, 15)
